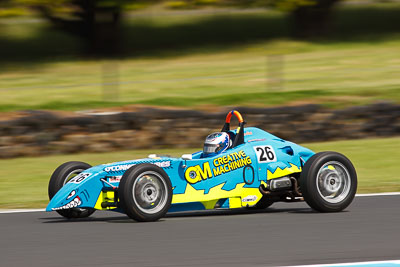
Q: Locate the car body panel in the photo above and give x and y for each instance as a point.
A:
(228, 180)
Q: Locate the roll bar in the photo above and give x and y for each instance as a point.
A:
(236, 113)
(239, 139)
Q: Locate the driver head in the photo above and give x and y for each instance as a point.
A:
(216, 143)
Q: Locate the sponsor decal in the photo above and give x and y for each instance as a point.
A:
(197, 173)
(79, 178)
(256, 140)
(114, 179)
(221, 165)
(250, 198)
(163, 164)
(124, 167)
(248, 133)
(230, 162)
(118, 168)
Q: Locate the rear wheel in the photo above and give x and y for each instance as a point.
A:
(145, 192)
(328, 182)
(60, 177)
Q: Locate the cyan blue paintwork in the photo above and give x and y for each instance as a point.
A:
(287, 153)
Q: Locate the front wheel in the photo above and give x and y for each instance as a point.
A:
(328, 182)
(145, 192)
(62, 175)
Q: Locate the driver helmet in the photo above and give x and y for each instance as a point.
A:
(216, 143)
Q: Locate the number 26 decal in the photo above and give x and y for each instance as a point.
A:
(265, 154)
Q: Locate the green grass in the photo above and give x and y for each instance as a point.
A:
(24, 180)
(337, 74)
(199, 60)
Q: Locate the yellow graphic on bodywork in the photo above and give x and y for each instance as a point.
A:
(208, 205)
(236, 196)
(283, 172)
(209, 200)
(230, 162)
(236, 202)
(104, 197)
(221, 165)
(196, 173)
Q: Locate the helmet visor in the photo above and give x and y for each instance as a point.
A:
(209, 148)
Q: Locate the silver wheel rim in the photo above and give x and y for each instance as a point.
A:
(333, 182)
(72, 175)
(150, 192)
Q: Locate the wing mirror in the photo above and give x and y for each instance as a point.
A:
(187, 156)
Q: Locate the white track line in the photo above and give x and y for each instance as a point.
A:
(363, 263)
(357, 195)
(21, 210)
(378, 194)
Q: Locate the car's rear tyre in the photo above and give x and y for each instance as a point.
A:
(328, 182)
(59, 178)
(145, 192)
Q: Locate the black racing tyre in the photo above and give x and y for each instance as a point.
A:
(60, 177)
(145, 192)
(328, 182)
(264, 203)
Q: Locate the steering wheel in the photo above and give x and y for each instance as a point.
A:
(239, 139)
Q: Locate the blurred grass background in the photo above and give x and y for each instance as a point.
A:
(195, 59)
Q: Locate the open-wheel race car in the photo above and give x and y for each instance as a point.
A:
(245, 167)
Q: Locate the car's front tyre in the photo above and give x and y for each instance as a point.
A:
(328, 182)
(145, 192)
(59, 178)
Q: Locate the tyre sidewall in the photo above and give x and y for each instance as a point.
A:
(126, 197)
(308, 182)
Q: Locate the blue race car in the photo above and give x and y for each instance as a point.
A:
(246, 167)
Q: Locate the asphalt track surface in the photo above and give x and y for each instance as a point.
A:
(285, 234)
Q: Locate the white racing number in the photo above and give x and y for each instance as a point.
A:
(79, 178)
(265, 154)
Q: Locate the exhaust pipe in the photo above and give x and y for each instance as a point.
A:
(275, 186)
